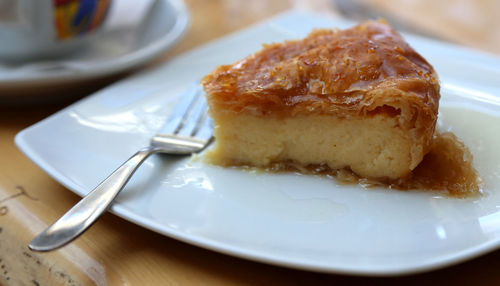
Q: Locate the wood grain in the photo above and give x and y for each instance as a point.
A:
(116, 252)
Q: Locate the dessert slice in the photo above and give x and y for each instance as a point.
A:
(359, 98)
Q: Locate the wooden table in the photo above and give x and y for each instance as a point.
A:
(116, 252)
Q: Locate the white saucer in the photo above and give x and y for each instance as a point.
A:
(115, 50)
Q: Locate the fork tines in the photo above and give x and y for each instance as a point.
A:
(190, 118)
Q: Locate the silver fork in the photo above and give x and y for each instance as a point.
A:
(188, 130)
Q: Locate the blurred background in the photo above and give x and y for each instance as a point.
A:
(471, 23)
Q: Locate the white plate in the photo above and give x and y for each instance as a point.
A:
(121, 45)
(305, 222)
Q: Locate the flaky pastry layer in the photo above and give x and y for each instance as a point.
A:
(359, 72)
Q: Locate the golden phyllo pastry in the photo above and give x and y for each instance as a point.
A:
(359, 98)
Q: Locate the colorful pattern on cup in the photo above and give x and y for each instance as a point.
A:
(73, 18)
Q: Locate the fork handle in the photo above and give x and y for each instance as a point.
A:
(81, 216)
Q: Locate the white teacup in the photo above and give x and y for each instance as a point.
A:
(36, 29)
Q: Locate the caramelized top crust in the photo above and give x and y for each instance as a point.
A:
(363, 70)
